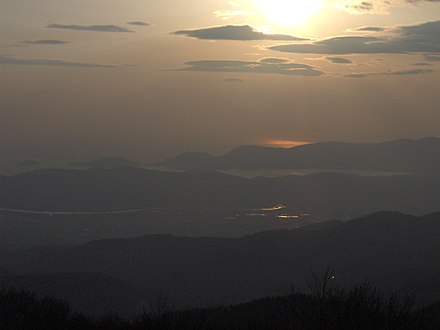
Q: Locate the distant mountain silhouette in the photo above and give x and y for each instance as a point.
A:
(104, 163)
(324, 196)
(391, 249)
(415, 156)
(29, 163)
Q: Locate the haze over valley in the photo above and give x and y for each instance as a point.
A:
(245, 164)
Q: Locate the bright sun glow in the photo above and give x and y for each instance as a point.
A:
(289, 12)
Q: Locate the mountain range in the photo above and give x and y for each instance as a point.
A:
(325, 196)
(109, 162)
(405, 155)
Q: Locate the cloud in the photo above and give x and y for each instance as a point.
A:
(96, 28)
(432, 57)
(405, 72)
(427, 28)
(356, 75)
(370, 29)
(234, 32)
(5, 60)
(378, 6)
(339, 60)
(274, 60)
(341, 45)
(363, 6)
(366, 7)
(228, 14)
(45, 42)
(271, 65)
(139, 23)
(409, 72)
(233, 80)
(421, 38)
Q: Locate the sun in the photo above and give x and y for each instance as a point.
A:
(289, 12)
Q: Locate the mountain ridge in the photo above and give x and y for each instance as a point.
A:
(324, 195)
(416, 156)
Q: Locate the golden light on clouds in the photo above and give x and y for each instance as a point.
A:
(289, 12)
(279, 143)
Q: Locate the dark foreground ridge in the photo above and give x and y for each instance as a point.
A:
(394, 251)
(327, 307)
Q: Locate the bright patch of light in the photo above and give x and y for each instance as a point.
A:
(274, 208)
(289, 12)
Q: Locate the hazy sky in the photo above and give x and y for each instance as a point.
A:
(145, 79)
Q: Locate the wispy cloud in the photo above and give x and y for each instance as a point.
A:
(341, 45)
(45, 42)
(432, 57)
(356, 75)
(409, 72)
(96, 28)
(229, 14)
(234, 32)
(339, 60)
(370, 29)
(266, 65)
(5, 60)
(233, 80)
(404, 72)
(422, 64)
(377, 6)
(139, 23)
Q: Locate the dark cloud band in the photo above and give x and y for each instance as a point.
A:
(96, 28)
(139, 23)
(339, 60)
(234, 32)
(422, 38)
(268, 65)
(45, 42)
(4, 60)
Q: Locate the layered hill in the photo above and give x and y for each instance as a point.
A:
(110, 162)
(413, 156)
(324, 195)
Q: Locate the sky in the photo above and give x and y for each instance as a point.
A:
(147, 79)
